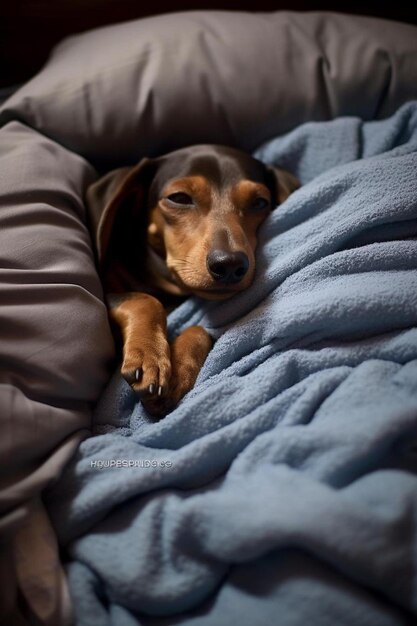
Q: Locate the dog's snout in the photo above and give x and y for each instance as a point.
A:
(227, 267)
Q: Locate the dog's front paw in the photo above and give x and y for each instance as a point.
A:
(188, 353)
(147, 366)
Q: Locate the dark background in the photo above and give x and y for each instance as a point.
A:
(29, 28)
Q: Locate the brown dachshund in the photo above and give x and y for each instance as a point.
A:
(180, 224)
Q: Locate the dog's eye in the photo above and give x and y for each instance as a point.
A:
(180, 198)
(260, 203)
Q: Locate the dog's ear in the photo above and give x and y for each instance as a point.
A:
(283, 183)
(113, 200)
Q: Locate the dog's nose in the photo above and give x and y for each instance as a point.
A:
(227, 267)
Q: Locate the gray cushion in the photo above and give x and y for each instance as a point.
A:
(55, 341)
(144, 87)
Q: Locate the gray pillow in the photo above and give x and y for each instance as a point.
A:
(55, 341)
(148, 86)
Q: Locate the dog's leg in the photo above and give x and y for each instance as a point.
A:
(188, 353)
(146, 353)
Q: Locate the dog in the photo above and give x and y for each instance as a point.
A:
(181, 224)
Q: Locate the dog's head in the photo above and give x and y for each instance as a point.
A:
(200, 207)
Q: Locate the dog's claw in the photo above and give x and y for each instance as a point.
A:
(151, 388)
(132, 377)
(160, 391)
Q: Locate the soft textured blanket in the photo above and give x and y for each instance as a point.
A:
(283, 489)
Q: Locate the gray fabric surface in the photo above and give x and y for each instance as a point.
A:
(55, 341)
(148, 86)
(55, 346)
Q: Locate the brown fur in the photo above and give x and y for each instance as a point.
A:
(185, 223)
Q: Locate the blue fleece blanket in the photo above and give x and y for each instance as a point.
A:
(283, 489)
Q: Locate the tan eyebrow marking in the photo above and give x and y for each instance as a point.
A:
(246, 190)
